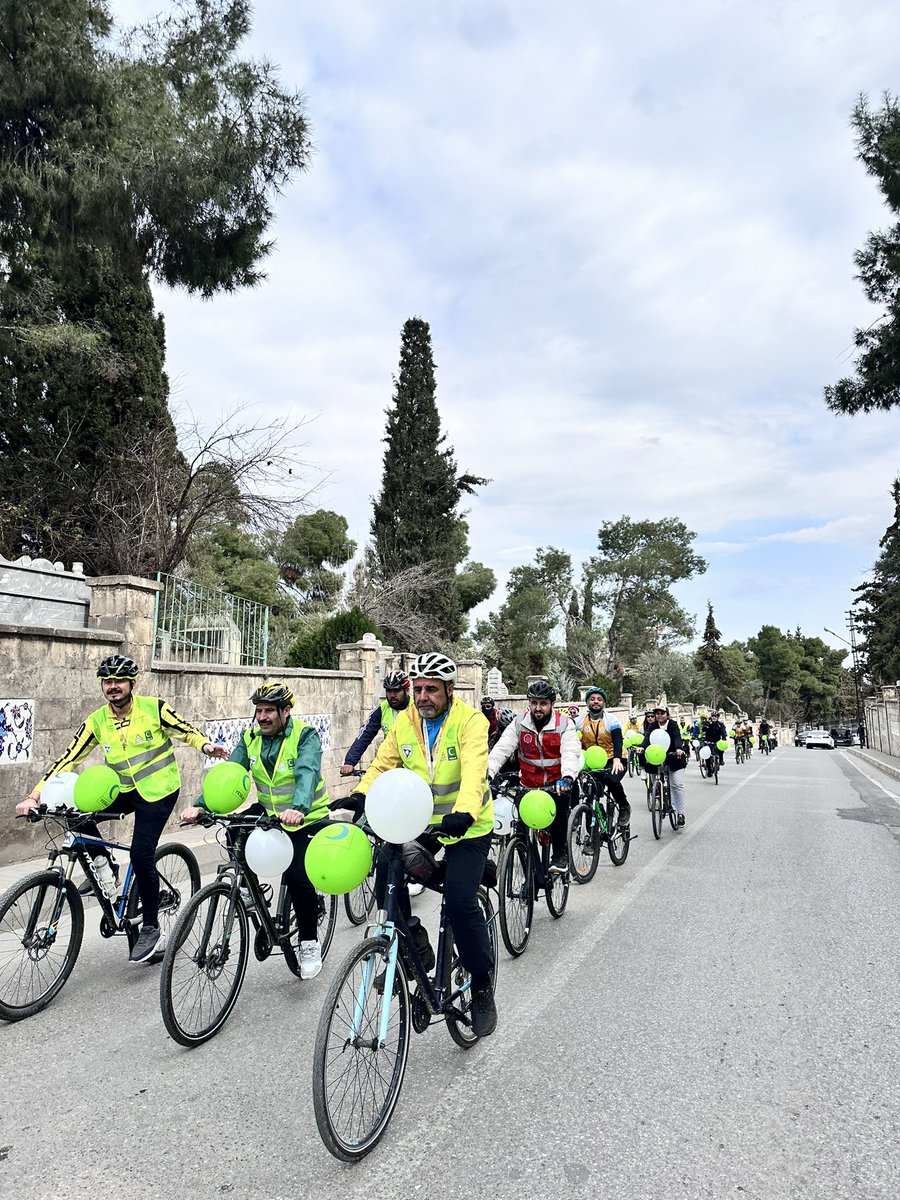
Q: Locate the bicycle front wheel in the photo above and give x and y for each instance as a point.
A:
(204, 964)
(516, 896)
(179, 879)
(584, 843)
(357, 1076)
(618, 842)
(556, 887)
(656, 808)
(41, 927)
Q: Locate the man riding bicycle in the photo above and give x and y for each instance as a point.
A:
(444, 741)
(135, 734)
(595, 728)
(676, 759)
(549, 758)
(284, 757)
(383, 718)
(714, 731)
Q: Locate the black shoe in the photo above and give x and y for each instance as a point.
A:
(559, 864)
(680, 820)
(624, 827)
(483, 1012)
(87, 888)
(150, 943)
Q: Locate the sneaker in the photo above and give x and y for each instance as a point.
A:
(559, 864)
(416, 889)
(310, 960)
(483, 1012)
(150, 943)
(680, 820)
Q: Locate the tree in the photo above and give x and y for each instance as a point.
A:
(318, 650)
(777, 659)
(660, 671)
(631, 580)
(159, 158)
(416, 519)
(311, 554)
(876, 384)
(878, 613)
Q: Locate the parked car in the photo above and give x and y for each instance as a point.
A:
(841, 736)
(800, 737)
(819, 739)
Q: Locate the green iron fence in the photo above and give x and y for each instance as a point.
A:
(196, 624)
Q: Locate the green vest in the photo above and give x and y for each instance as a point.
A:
(388, 717)
(276, 792)
(445, 771)
(146, 763)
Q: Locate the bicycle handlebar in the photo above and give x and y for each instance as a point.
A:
(42, 811)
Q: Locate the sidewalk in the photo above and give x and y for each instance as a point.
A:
(203, 842)
(888, 763)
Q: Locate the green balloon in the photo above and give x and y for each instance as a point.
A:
(632, 738)
(721, 744)
(338, 858)
(655, 755)
(225, 787)
(595, 758)
(537, 808)
(753, 741)
(96, 788)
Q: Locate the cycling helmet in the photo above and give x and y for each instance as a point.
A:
(541, 690)
(433, 666)
(395, 680)
(118, 666)
(506, 717)
(273, 692)
(487, 703)
(595, 691)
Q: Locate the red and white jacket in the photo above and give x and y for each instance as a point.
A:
(545, 755)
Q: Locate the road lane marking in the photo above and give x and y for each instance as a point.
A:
(878, 784)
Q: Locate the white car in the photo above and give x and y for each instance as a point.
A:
(819, 739)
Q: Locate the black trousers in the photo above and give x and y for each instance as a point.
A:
(302, 893)
(465, 862)
(150, 817)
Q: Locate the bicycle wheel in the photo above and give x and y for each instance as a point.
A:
(357, 1077)
(41, 927)
(457, 982)
(716, 772)
(179, 879)
(630, 766)
(361, 901)
(704, 770)
(673, 815)
(649, 783)
(656, 809)
(583, 838)
(326, 921)
(556, 891)
(204, 964)
(617, 843)
(516, 890)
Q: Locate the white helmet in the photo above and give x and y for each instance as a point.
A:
(433, 666)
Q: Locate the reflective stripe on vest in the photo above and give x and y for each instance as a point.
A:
(540, 752)
(152, 772)
(276, 792)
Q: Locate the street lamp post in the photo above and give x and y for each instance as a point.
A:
(855, 656)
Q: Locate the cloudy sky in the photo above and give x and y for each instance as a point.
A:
(630, 226)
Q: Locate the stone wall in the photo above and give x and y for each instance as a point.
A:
(41, 593)
(883, 721)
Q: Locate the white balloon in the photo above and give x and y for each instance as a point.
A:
(399, 805)
(705, 753)
(503, 815)
(695, 742)
(659, 737)
(269, 852)
(59, 790)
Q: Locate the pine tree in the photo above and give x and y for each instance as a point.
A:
(416, 518)
(878, 618)
(710, 656)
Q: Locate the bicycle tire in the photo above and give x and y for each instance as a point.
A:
(617, 843)
(327, 919)
(179, 879)
(359, 903)
(457, 981)
(556, 891)
(516, 887)
(347, 1133)
(673, 815)
(704, 770)
(649, 783)
(202, 925)
(583, 840)
(656, 811)
(630, 766)
(50, 971)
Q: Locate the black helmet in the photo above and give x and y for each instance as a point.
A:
(487, 702)
(394, 681)
(273, 692)
(541, 690)
(118, 666)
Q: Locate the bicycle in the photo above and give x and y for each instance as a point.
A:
(42, 916)
(709, 768)
(593, 822)
(206, 959)
(362, 1041)
(662, 806)
(738, 750)
(524, 872)
(764, 747)
(635, 764)
(360, 903)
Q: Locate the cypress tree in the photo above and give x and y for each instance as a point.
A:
(879, 617)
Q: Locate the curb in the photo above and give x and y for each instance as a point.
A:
(878, 763)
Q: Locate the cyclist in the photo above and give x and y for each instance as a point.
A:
(748, 734)
(135, 733)
(284, 757)
(384, 717)
(713, 732)
(444, 741)
(765, 731)
(633, 725)
(676, 759)
(597, 729)
(549, 754)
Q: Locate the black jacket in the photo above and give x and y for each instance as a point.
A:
(673, 762)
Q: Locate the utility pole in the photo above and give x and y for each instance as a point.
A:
(855, 653)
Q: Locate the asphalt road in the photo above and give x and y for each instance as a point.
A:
(717, 1018)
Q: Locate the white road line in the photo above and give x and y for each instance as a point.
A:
(853, 763)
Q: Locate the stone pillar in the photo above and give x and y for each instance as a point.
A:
(626, 701)
(366, 656)
(471, 679)
(127, 604)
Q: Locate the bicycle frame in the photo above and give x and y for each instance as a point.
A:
(76, 849)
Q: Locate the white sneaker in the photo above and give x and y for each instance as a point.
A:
(416, 889)
(310, 960)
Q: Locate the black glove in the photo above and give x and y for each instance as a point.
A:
(455, 824)
(355, 803)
